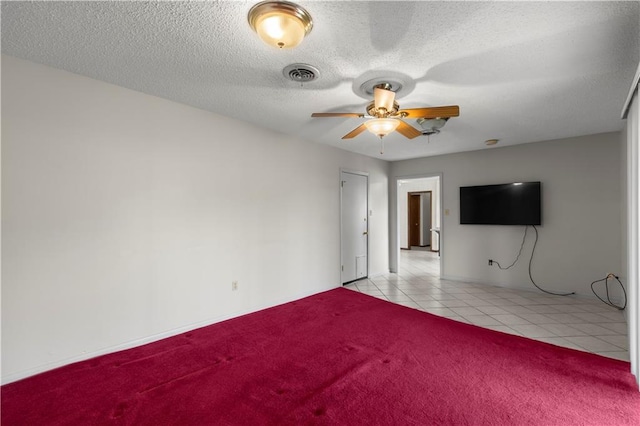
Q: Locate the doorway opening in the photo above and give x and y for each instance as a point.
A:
(419, 225)
(420, 220)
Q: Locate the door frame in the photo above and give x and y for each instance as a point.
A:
(360, 173)
(394, 218)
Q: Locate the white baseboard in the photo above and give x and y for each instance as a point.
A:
(149, 339)
(377, 274)
(522, 286)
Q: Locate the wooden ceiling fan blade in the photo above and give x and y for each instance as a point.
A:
(337, 114)
(355, 132)
(432, 112)
(383, 98)
(407, 131)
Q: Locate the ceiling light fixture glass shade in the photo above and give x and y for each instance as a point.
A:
(384, 98)
(280, 23)
(381, 127)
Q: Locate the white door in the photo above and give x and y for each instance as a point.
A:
(354, 237)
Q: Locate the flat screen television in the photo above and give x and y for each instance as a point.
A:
(517, 203)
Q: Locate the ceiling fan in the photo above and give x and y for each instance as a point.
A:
(386, 116)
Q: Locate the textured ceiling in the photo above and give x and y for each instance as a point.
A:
(520, 71)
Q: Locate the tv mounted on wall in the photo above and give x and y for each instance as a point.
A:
(517, 203)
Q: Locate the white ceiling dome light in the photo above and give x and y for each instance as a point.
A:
(281, 24)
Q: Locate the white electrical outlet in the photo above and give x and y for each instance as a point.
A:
(234, 285)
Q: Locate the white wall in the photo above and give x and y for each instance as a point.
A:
(580, 237)
(426, 184)
(426, 221)
(126, 217)
(624, 221)
(631, 226)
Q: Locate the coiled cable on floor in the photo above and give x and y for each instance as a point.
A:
(606, 286)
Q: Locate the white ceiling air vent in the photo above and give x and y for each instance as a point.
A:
(431, 126)
(301, 73)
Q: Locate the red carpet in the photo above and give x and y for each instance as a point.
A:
(338, 357)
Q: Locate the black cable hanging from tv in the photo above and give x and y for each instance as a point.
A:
(605, 279)
(524, 237)
(531, 277)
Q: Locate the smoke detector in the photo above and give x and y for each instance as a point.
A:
(431, 126)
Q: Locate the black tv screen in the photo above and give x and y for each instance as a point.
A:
(516, 203)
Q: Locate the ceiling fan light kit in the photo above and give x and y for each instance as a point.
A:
(381, 127)
(384, 97)
(281, 24)
(386, 116)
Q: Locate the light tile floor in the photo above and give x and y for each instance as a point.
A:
(575, 322)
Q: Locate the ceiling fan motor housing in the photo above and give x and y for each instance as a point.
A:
(375, 112)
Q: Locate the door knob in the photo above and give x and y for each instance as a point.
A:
(364, 233)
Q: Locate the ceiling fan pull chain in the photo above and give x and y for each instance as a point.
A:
(381, 145)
